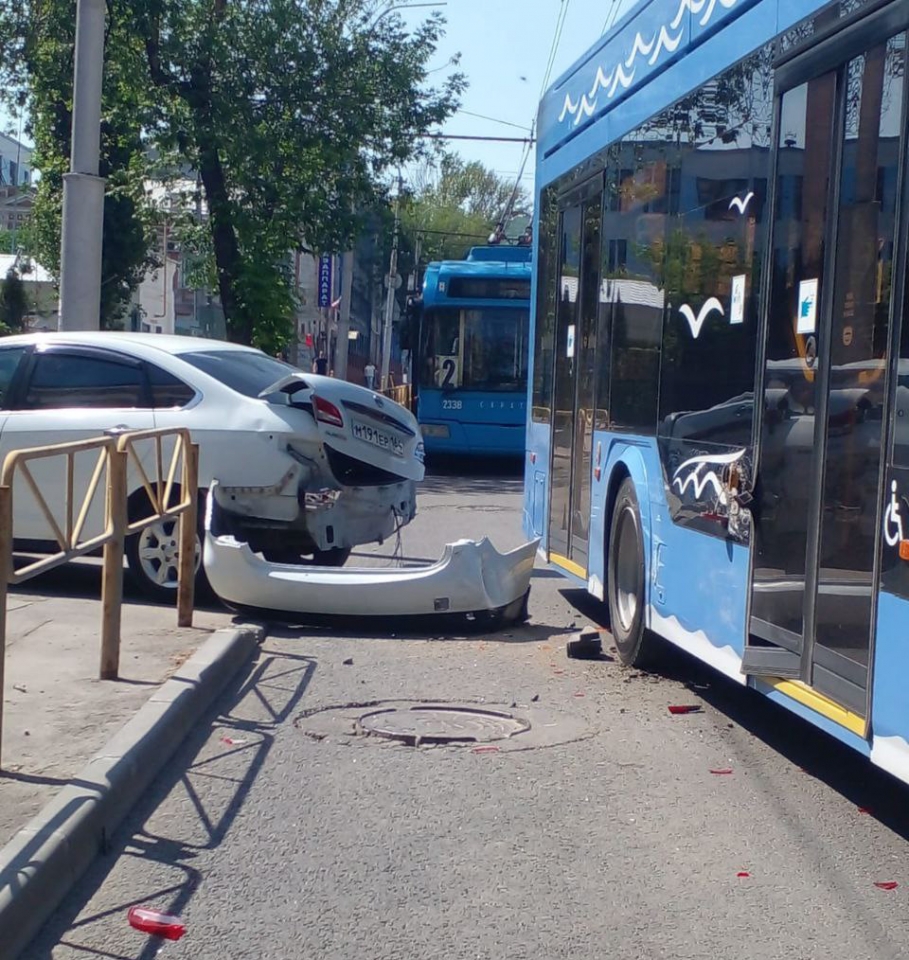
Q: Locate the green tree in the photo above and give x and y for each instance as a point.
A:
(291, 111)
(456, 204)
(13, 303)
(36, 46)
(23, 238)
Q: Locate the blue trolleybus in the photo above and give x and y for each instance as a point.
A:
(470, 370)
(719, 435)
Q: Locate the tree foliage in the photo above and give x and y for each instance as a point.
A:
(456, 204)
(292, 112)
(13, 303)
(37, 39)
(22, 239)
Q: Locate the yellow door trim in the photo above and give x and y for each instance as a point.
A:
(802, 693)
(568, 565)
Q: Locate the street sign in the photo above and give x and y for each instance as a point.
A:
(325, 280)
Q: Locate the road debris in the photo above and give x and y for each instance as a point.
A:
(156, 923)
(677, 708)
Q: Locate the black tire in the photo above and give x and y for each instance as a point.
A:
(625, 581)
(156, 576)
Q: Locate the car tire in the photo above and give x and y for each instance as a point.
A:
(152, 554)
(625, 581)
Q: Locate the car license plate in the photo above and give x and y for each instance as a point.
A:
(378, 438)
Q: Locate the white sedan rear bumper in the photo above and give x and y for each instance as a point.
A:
(471, 577)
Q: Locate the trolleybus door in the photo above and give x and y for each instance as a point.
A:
(819, 473)
(574, 381)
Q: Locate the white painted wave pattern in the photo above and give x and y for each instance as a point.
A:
(622, 75)
(698, 480)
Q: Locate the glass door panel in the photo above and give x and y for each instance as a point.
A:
(797, 291)
(586, 381)
(859, 340)
(564, 386)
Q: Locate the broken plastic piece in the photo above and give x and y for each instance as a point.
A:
(864, 809)
(722, 771)
(886, 884)
(472, 577)
(685, 708)
(743, 873)
(231, 742)
(485, 750)
(580, 693)
(156, 923)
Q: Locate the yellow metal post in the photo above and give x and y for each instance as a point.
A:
(6, 559)
(189, 524)
(112, 577)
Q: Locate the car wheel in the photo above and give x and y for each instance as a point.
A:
(153, 557)
(625, 581)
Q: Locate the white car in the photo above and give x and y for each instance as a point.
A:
(308, 466)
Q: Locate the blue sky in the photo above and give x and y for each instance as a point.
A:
(504, 47)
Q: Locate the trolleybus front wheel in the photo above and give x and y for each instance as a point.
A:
(625, 581)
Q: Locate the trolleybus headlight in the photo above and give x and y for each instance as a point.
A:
(435, 430)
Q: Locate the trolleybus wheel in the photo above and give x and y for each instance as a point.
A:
(625, 581)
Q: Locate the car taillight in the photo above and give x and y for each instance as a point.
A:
(327, 412)
(155, 923)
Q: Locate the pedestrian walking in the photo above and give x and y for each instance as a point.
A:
(320, 365)
(369, 372)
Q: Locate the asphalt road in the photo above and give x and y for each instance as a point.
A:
(277, 834)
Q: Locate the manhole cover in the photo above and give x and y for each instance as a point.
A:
(441, 724)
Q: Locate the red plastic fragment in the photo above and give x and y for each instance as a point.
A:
(485, 750)
(558, 671)
(743, 873)
(231, 742)
(156, 923)
(684, 708)
(580, 693)
(864, 810)
(722, 771)
(886, 884)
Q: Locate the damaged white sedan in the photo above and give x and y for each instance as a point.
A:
(310, 466)
(471, 580)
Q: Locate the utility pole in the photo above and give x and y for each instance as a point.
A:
(83, 189)
(390, 297)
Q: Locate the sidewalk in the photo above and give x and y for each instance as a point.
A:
(57, 714)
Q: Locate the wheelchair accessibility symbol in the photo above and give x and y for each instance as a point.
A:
(893, 519)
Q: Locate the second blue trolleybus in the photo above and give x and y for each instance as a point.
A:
(470, 369)
(719, 439)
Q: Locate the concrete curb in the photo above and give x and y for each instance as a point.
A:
(43, 861)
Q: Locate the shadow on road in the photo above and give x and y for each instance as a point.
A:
(81, 579)
(228, 751)
(813, 751)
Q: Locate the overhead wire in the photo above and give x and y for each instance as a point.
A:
(506, 123)
(612, 15)
(547, 75)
